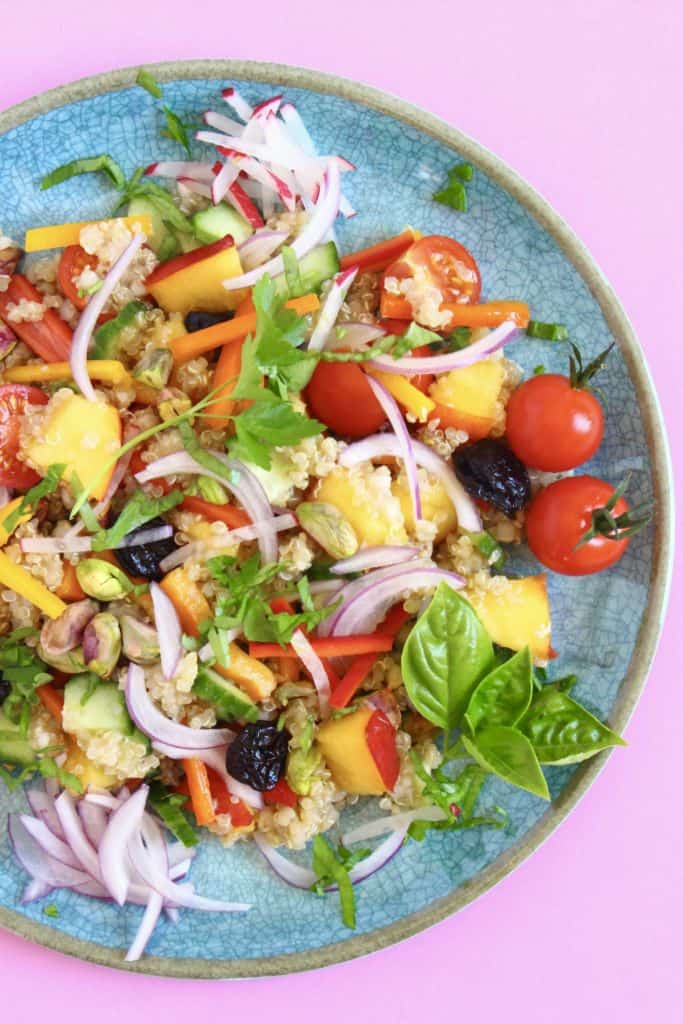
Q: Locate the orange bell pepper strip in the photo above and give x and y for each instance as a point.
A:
(379, 256)
(52, 699)
(486, 314)
(346, 690)
(226, 803)
(200, 790)
(223, 383)
(187, 599)
(69, 589)
(228, 514)
(50, 337)
(189, 346)
(329, 647)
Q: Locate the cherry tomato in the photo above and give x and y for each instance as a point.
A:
(553, 426)
(561, 514)
(14, 401)
(339, 395)
(73, 262)
(433, 262)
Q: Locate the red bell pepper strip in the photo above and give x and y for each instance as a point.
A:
(379, 256)
(380, 737)
(226, 803)
(50, 337)
(281, 793)
(396, 618)
(228, 514)
(199, 789)
(328, 647)
(346, 690)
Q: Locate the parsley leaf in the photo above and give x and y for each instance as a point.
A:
(24, 671)
(140, 509)
(454, 194)
(332, 868)
(269, 423)
(48, 485)
(51, 910)
(456, 796)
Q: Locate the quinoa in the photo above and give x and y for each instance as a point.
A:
(193, 377)
(25, 311)
(174, 694)
(297, 554)
(124, 757)
(106, 240)
(43, 730)
(362, 301)
(407, 793)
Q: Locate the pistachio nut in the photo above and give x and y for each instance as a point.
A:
(102, 644)
(102, 580)
(71, 662)
(173, 403)
(154, 368)
(65, 632)
(326, 525)
(140, 640)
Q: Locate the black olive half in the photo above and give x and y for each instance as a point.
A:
(257, 755)
(196, 320)
(143, 559)
(488, 470)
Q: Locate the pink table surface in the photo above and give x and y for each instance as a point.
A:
(581, 99)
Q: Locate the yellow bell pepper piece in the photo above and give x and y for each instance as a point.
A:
(109, 371)
(6, 511)
(199, 285)
(406, 394)
(23, 583)
(58, 236)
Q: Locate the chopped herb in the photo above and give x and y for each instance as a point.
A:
(84, 293)
(175, 129)
(458, 339)
(27, 506)
(23, 671)
(220, 646)
(137, 511)
(202, 456)
(86, 165)
(538, 370)
(489, 546)
(160, 198)
(148, 82)
(547, 332)
(91, 683)
(454, 194)
(51, 910)
(332, 868)
(267, 424)
(456, 796)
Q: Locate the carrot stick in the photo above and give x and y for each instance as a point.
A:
(486, 314)
(200, 790)
(196, 344)
(223, 384)
(329, 647)
(69, 589)
(52, 699)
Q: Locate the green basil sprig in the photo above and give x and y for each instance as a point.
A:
(504, 695)
(562, 731)
(506, 752)
(446, 654)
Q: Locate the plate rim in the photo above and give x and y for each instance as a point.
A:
(634, 679)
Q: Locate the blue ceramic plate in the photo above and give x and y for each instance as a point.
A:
(604, 626)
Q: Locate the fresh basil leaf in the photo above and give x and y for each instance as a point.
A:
(446, 653)
(562, 731)
(503, 750)
(140, 509)
(86, 165)
(504, 695)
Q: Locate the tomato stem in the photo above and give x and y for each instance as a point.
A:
(621, 527)
(580, 375)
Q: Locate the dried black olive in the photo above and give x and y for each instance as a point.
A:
(143, 559)
(257, 755)
(488, 470)
(196, 320)
(4, 690)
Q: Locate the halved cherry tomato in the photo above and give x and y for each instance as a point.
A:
(434, 262)
(14, 400)
(281, 793)
(73, 262)
(50, 337)
(561, 514)
(339, 395)
(552, 425)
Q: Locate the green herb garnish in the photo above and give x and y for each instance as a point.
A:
(454, 194)
(332, 868)
(137, 511)
(86, 165)
(48, 485)
(547, 332)
(148, 82)
(176, 129)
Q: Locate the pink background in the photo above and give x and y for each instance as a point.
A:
(580, 99)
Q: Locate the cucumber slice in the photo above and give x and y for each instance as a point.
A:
(316, 267)
(103, 711)
(107, 340)
(227, 698)
(218, 221)
(142, 206)
(14, 751)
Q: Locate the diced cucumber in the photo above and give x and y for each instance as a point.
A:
(164, 240)
(107, 340)
(317, 266)
(14, 751)
(216, 222)
(93, 706)
(227, 698)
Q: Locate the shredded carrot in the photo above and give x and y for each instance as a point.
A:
(329, 647)
(200, 790)
(52, 699)
(189, 346)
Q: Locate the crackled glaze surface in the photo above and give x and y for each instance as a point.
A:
(596, 621)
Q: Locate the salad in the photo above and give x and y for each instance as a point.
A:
(257, 496)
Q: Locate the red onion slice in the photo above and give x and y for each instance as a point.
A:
(315, 667)
(36, 890)
(294, 874)
(169, 630)
(353, 336)
(381, 445)
(206, 548)
(235, 100)
(78, 545)
(349, 590)
(411, 366)
(43, 806)
(260, 246)
(38, 864)
(405, 442)
(89, 317)
(331, 307)
(5, 496)
(150, 720)
(369, 605)
(75, 835)
(124, 823)
(49, 842)
(375, 558)
(392, 823)
(320, 222)
(214, 757)
(149, 921)
(199, 170)
(94, 821)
